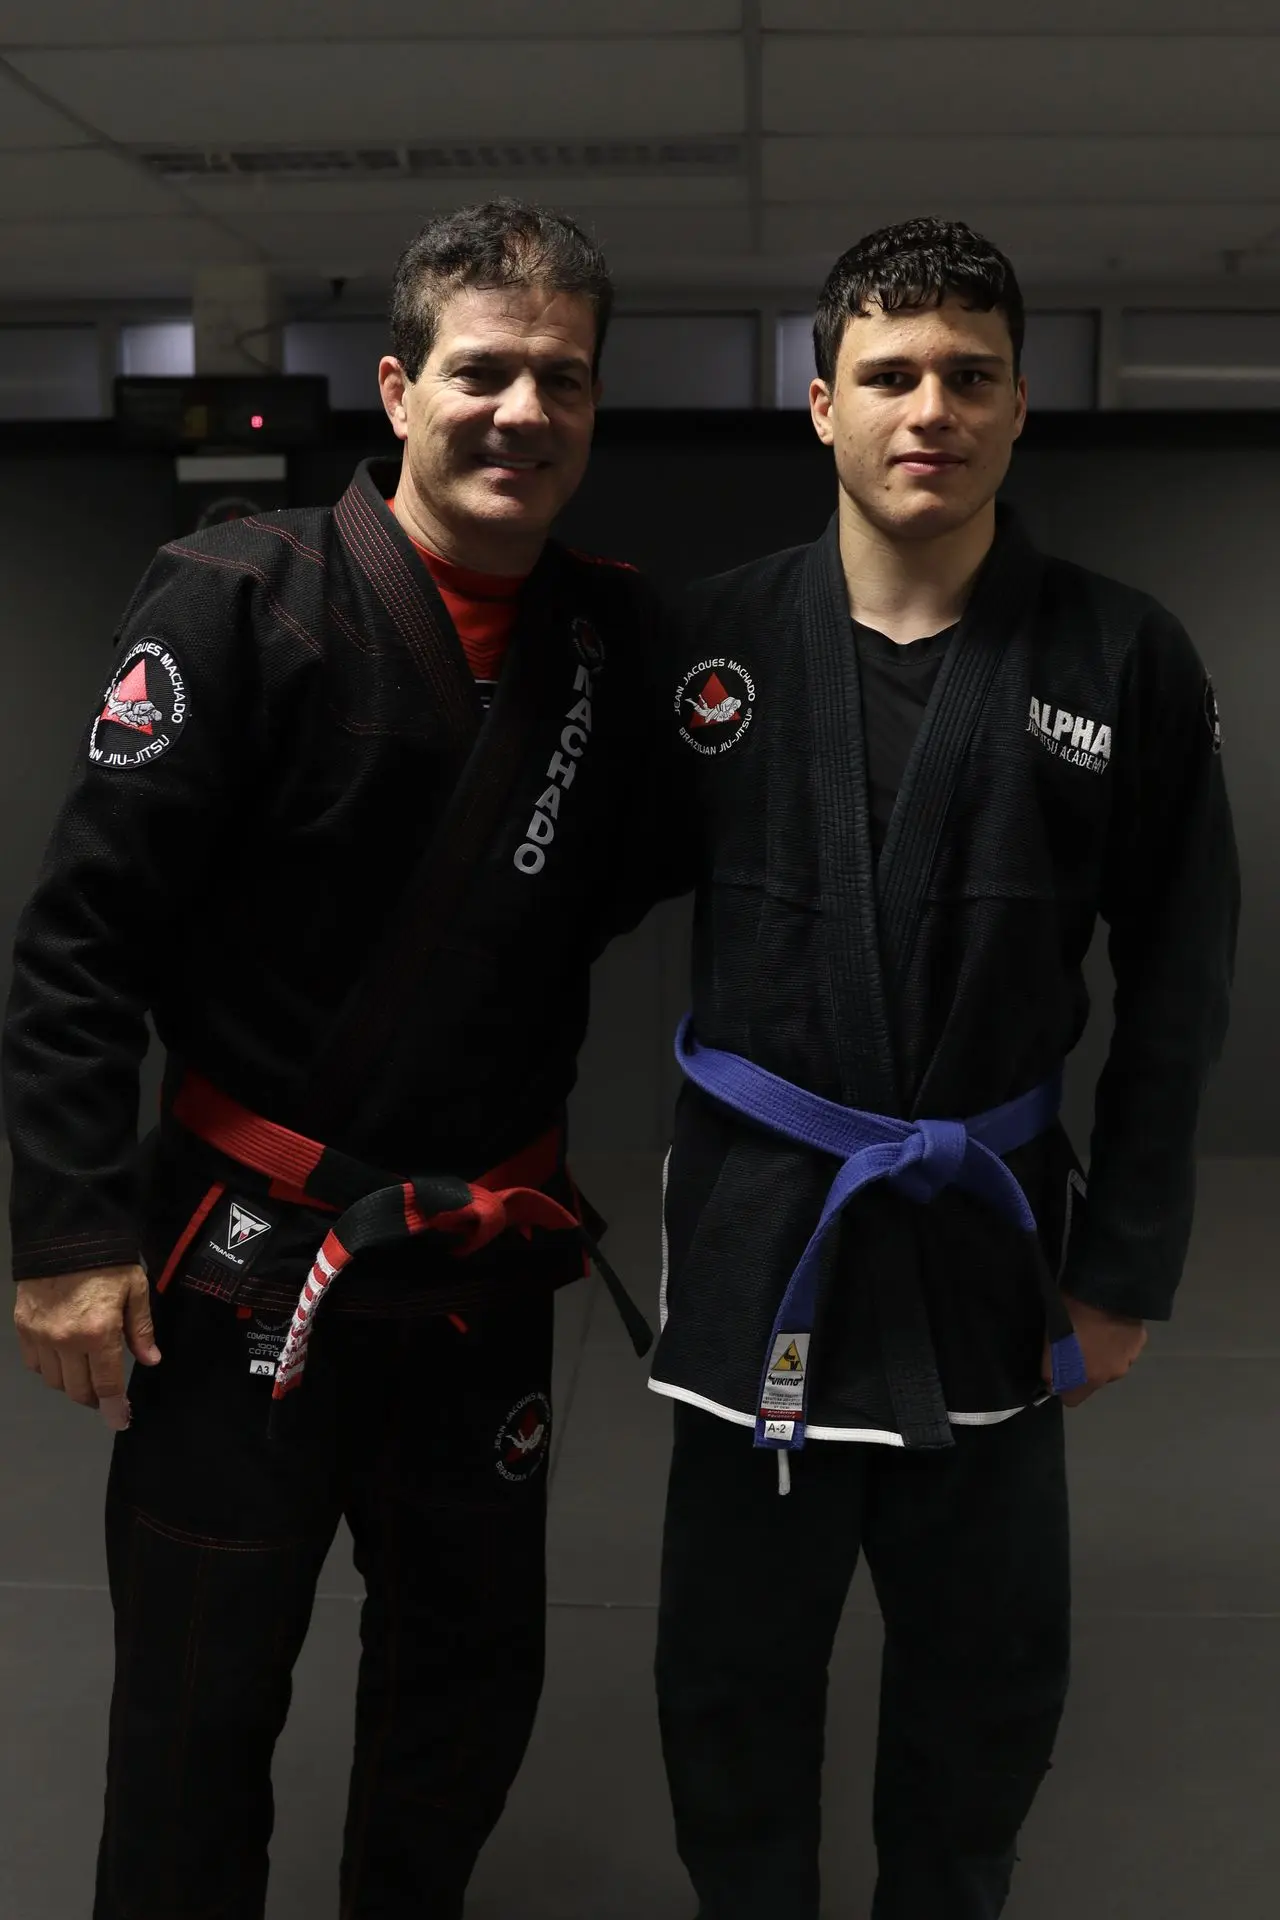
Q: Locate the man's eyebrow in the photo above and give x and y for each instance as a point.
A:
(895, 362)
(488, 357)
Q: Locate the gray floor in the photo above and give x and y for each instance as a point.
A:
(1162, 1804)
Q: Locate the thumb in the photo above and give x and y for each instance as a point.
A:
(138, 1330)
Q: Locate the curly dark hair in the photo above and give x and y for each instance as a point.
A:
(919, 263)
(501, 243)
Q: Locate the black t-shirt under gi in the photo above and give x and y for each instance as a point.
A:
(896, 682)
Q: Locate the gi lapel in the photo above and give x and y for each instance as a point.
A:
(862, 1033)
(837, 755)
(527, 711)
(1002, 602)
(389, 561)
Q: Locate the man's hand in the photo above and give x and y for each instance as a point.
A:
(1109, 1342)
(72, 1328)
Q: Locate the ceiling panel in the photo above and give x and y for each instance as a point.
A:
(1127, 232)
(25, 122)
(1022, 167)
(1023, 16)
(78, 181)
(142, 23)
(403, 91)
(110, 256)
(830, 84)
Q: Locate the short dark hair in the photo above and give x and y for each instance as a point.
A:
(919, 263)
(501, 243)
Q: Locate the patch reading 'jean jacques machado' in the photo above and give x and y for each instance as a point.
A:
(715, 703)
(144, 709)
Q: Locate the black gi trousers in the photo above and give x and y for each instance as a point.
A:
(433, 1444)
(968, 1551)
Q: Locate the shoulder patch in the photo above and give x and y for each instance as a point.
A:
(602, 560)
(144, 708)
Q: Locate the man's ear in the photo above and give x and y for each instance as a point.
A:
(820, 402)
(392, 383)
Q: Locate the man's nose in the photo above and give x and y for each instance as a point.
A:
(931, 402)
(520, 405)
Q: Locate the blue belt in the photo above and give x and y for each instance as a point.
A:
(918, 1158)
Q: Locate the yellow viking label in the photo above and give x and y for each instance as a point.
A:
(784, 1381)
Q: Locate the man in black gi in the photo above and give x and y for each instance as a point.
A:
(924, 758)
(360, 909)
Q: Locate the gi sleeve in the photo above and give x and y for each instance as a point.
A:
(1171, 899)
(660, 835)
(165, 750)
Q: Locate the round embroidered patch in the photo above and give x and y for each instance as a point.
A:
(144, 709)
(521, 1444)
(1212, 718)
(714, 704)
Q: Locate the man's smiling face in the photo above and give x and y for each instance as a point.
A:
(498, 423)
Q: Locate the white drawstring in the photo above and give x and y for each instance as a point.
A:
(784, 1471)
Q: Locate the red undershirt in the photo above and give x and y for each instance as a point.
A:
(482, 607)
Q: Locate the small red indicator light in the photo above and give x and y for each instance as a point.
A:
(256, 421)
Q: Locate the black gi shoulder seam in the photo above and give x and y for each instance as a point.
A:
(1140, 635)
(754, 578)
(613, 591)
(759, 591)
(271, 554)
(1116, 600)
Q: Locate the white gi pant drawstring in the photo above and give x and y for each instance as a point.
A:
(784, 1471)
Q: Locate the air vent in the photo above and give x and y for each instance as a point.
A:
(452, 159)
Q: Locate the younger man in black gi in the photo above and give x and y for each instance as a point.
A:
(924, 758)
(338, 821)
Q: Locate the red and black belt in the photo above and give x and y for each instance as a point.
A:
(376, 1209)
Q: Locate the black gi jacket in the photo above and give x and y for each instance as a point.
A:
(322, 725)
(1068, 766)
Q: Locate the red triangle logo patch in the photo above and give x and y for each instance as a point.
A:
(129, 703)
(711, 696)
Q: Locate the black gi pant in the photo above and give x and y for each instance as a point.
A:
(969, 1555)
(433, 1444)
